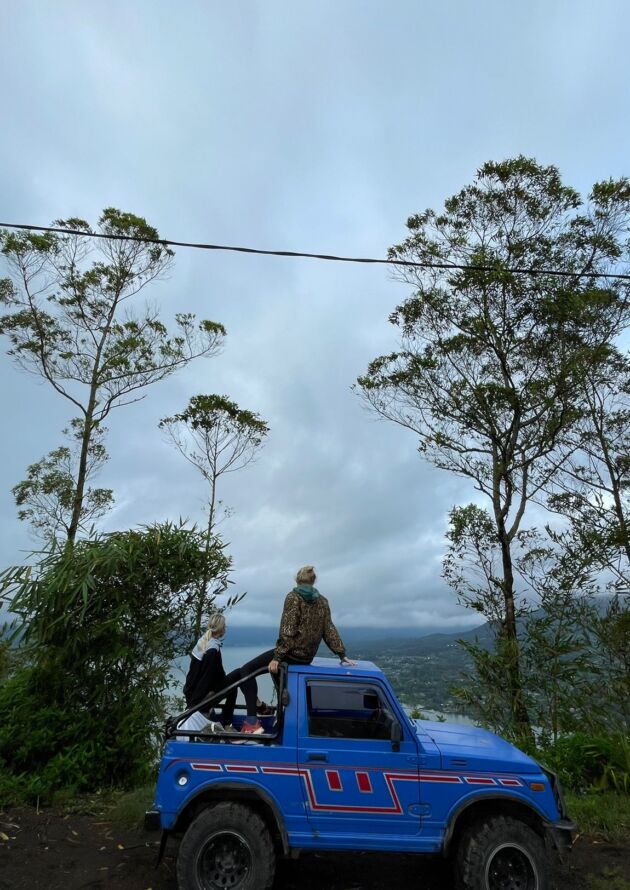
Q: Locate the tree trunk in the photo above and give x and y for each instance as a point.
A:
(77, 505)
(520, 715)
(88, 425)
(203, 587)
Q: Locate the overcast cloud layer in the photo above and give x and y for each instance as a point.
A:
(317, 127)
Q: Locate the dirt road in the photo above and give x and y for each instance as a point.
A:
(50, 851)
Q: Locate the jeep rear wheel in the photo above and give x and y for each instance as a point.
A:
(501, 853)
(227, 847)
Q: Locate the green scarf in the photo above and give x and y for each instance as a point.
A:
(307, 592)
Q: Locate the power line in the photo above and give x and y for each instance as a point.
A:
(165, 242)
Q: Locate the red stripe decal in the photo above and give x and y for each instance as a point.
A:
(209, 767)
(364, 783)
(511, 783)
(452, 780)
(479, 780)
(238, 768)
(280, 771)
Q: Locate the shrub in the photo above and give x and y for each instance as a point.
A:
(102, 622)
(583, 761)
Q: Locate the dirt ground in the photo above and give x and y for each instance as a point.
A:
(50, 851)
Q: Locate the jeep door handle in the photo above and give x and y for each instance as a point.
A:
(316, 755)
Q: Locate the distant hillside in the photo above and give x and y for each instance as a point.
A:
(422, 645)
(424, 670)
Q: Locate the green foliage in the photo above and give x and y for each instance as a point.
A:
(584, 761)
(611, 632)
(216, 437)
(560, 670)
(46, 497)
(101, 623)
(5, 658)
(484, 693)
(490, 364)
(68, 320)
(207, 413)
(616, 767)
(472, 564)
(591, 487)
(53, 737)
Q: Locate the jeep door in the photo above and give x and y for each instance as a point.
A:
(361, 786)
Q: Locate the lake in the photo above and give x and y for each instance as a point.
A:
(235, 656)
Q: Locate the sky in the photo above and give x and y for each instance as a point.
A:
(317, 127)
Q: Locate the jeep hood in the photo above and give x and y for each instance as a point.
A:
(470, 748)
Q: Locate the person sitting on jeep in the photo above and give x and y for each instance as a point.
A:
(206, 674)
(305, 622)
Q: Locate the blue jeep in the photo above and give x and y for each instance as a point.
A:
(342, 767)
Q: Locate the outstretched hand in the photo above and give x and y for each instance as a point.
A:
(348, 662)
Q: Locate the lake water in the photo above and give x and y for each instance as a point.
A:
(235, 656)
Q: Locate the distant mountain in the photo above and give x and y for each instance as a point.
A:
(429, 644)
(265, 637)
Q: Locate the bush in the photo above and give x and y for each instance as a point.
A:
(102, 623)
(583, 761)
(47, 747)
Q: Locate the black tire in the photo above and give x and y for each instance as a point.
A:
(501, 853)
(227, 847)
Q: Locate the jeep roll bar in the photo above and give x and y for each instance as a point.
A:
(283, 700)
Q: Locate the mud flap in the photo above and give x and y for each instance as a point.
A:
(160, 854)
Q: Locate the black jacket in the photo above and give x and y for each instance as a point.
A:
(204, 675)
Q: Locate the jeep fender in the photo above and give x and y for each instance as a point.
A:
(497, 803)
(236, 789)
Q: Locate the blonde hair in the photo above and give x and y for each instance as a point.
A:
(216, 627)
(306, 575)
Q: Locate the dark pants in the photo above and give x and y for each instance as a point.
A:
(249, 687)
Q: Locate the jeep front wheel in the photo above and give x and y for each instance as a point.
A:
(227, 847)
(501, 853)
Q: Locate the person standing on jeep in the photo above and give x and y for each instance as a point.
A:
(305, 622)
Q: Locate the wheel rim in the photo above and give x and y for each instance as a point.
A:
(511, 868)
(224, 861)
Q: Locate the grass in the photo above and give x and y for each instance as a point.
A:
(604, 813)
(124, 808)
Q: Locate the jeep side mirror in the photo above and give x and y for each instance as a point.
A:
(396, 735)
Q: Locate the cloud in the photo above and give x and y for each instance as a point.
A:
(282, 126)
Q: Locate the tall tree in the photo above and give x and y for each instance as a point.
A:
(216, 437)
(46, 497)
(490, 359)
(70, 322)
